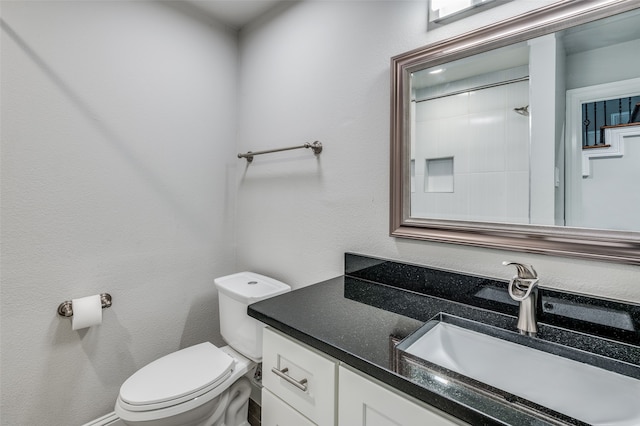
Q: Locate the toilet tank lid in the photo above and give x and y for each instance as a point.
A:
(250, 287)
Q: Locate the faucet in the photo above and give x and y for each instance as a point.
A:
(523, 288)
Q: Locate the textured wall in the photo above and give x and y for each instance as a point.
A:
(320, 70)
(118, 126)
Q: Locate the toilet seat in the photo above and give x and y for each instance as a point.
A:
(191, 401)
(176, 378)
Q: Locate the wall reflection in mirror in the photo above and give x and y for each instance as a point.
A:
(545, 131)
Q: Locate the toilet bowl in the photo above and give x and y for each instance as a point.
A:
(204, 385)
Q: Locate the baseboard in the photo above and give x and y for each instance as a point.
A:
(107, 420)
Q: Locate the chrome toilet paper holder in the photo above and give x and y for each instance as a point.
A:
(65, 309)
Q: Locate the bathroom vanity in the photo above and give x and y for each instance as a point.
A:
(339, 352)
(327, 388)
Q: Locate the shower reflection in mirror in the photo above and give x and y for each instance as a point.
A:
(470, 139)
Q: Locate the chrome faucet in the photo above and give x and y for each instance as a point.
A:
(523, 288)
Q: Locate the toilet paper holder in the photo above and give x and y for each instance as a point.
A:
(65, 309)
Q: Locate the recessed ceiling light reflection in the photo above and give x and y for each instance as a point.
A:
(441, 380)
(438, 71)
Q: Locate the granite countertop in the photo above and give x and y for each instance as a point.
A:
(358, 318)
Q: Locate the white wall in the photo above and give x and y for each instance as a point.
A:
(593, 67)
(320, 70)
(118, 129)
(544, 88)
(610, 191)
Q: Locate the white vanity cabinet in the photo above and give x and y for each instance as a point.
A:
(303, 387)
(365, 402)
(301, 377)
(276, 413)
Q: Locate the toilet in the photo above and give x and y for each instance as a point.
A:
(204, 385)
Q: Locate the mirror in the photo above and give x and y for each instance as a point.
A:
(523, 135)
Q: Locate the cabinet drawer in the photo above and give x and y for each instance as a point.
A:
(301, 377)
(276, 413)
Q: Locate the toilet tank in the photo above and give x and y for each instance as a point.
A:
(235, 293)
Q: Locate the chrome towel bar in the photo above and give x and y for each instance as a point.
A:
(65, 309)
(315, 146)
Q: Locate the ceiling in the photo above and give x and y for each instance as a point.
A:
(234, 13)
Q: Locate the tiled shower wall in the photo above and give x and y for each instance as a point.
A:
(488, 143)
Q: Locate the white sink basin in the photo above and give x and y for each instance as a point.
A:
(582, 391)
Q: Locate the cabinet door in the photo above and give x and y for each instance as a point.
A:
(276, 413)
(363, 402)
(300, 376)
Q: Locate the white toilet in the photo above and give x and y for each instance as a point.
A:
(203, 385)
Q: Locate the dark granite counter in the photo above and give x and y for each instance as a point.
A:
(359, 317)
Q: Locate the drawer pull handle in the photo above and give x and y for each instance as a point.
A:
(302, 384)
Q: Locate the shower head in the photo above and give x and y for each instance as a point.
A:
(522, 110)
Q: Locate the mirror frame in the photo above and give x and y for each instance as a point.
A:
(595, 244)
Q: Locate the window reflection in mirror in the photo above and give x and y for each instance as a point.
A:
(446, 11)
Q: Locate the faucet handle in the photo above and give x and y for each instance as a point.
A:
(524, 271)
